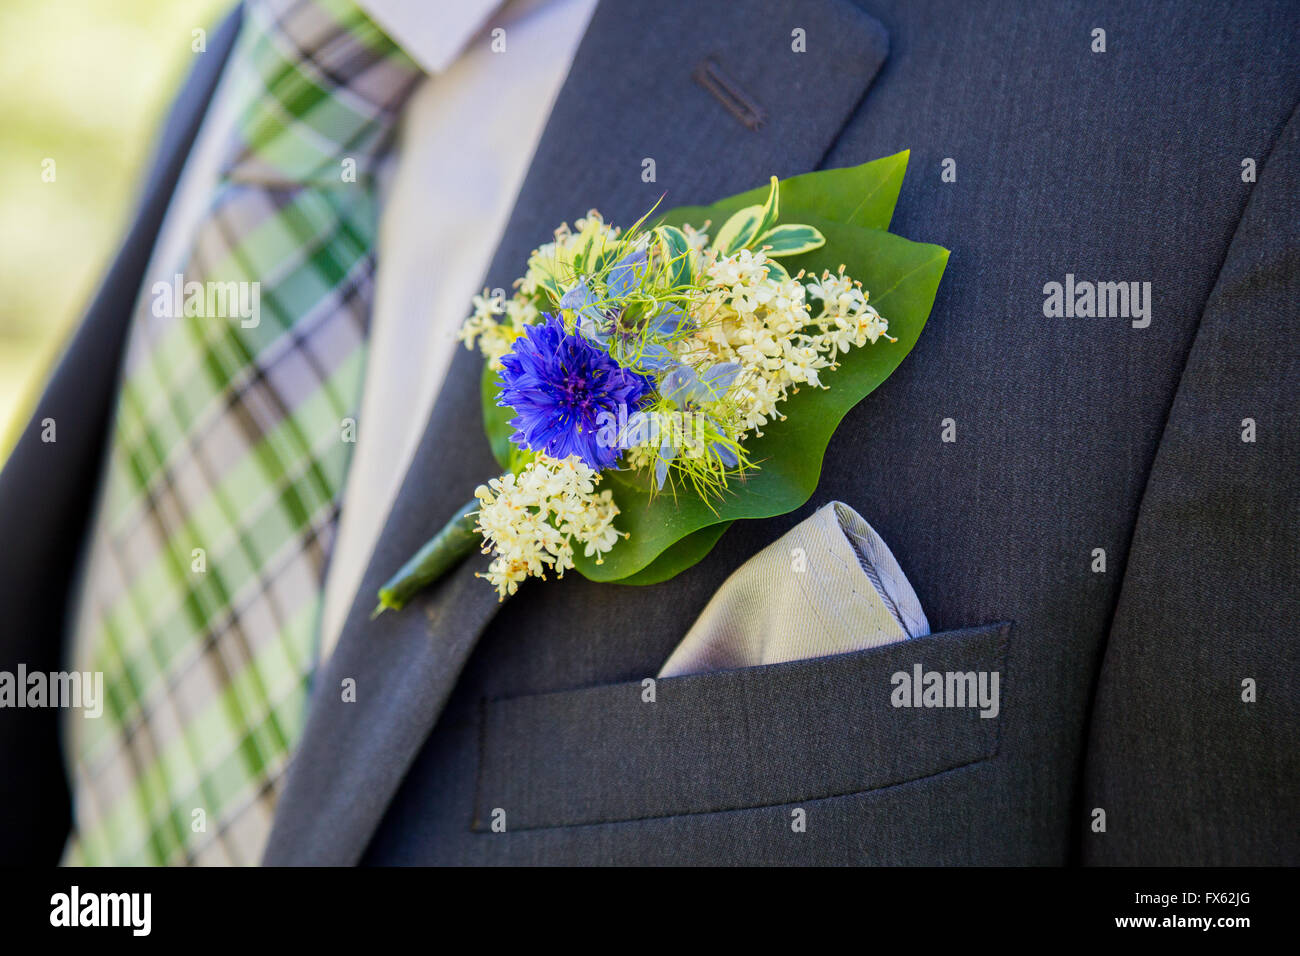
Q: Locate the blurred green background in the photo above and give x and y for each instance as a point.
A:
(85, 83)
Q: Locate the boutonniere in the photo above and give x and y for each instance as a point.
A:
(645, 387)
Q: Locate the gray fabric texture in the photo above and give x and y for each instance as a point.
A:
(1121, 166)
(1186, 767)
(746, 739)
(1072, 435)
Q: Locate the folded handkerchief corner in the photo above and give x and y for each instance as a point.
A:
(830, 585)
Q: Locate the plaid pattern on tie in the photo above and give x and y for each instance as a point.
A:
(228, 457)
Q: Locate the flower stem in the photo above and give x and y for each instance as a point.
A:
(456, 541)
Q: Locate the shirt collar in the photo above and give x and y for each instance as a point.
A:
(432, 37)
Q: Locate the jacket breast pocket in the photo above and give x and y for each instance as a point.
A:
(757, 736)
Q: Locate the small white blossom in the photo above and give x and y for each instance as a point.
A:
(531, 522)
(494, 336)
(767, 326)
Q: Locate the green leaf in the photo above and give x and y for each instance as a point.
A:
(790, 240)
(496, 420)
(902, 278)
(777, 272)
(771, 208)
(738, 230)
(551, 288)
(676, 251)
(857, 195)
(684, 554)
(590, 246)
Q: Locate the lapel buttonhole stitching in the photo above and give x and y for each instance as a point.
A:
(709, 75)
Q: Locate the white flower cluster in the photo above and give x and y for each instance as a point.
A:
(783, 331)
(846, 320)
(766, 325)
(530, 522)
(553, 261)
(497, 322)
(496, 335)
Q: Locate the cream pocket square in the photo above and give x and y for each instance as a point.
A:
(828, 586)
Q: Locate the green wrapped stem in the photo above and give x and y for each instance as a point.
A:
(453, 544)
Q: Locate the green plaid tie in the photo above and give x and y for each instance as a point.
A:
(228, 457)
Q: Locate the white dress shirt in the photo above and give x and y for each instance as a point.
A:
(466, 139)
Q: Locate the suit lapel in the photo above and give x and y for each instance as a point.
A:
(694, 102)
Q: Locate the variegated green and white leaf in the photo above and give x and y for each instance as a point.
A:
(771, 209)
(738, 231)
(552, 288)
(588, 247)
(777, 272)
(790, 239)
(677, 254)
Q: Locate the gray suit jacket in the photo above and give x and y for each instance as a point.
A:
(1122, 688)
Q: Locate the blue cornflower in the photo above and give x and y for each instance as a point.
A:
(559, 385)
